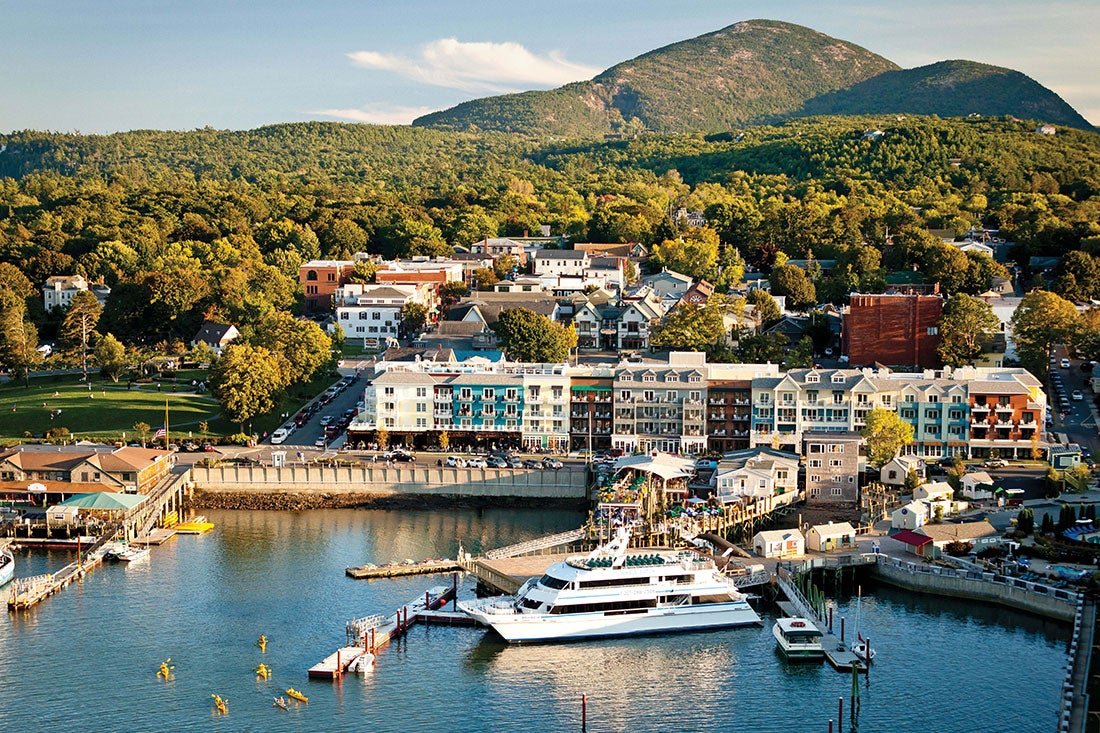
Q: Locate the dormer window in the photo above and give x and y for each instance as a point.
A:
(672, 377)
(838, 379)
(812, 379)
(649, 378)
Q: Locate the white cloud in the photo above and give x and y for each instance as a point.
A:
(478, 67)
(380, 115)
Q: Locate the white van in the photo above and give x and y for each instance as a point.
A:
(279, 436)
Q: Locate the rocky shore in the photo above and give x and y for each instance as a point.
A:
(320, 500)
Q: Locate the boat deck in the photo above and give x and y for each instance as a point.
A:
(836, 650)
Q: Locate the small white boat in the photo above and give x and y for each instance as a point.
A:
(863, 650)
(798, 638)
(7, 566)
(134, 554)
(363, 664)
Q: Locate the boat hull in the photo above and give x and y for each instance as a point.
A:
(7, 567)
(531, 628)
(797, 652)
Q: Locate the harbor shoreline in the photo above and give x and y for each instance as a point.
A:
(322, 499)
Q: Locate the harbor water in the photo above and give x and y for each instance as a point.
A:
(86, 659)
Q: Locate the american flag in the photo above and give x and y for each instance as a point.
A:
(161, 432)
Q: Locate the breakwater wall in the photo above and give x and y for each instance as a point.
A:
(960, 583)
(310, 485)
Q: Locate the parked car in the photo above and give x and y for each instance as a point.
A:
(1077, 395)
(455, 462)
(326, 420)
(320, 442)
(496, 462)
(1065, 364)
(532, 463)
(553, 463)
(477, 462)
(402, 457)
(279, 436)
(995, 463)
(514, 463)
(190, 447)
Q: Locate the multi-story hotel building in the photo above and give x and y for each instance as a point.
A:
(685, 405)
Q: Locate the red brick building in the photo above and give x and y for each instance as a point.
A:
(319, 280)
(896, 329)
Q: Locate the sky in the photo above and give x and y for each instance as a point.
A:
(98, 66)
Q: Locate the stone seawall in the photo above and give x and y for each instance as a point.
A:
(303, 487)
(1038, 599)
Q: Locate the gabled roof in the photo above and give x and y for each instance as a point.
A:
(836, 529)
(214, 333)
(963, 532)
(909, 537)
(779, 535)
(560, 254)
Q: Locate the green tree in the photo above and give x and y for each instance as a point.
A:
(802, 355)
(886, 434)
(79, 324)
(731, 268)
(691, 327)
(792, 282)
(18, 338)
(504, 265)
(110, 355)
(142, 429)
(765, 309)
(302, 346)
(414, 316)
(1042, 320)
(485, 278)
(246, 380)
(1025, 521)
(912, 480)
(363, 272)
(966, 324)
(1047, 525)
(452, 292)
(530, 337)
(694, 254)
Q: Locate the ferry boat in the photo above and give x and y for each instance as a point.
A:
(798, 638)
(7, 566)
(611, 592)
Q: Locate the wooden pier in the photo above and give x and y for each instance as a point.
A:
(26, 592)
(156, 537)
(837, 651)
(400, 570)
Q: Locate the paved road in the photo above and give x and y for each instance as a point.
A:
(1079, 422)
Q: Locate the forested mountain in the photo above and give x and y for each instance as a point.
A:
(749, 71)
(753, 72)
(950, 89)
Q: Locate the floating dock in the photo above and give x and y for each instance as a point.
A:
(198, 525)
(398, 570)
(156, 537)
(837, 652)
(368, 634)
(27, 592)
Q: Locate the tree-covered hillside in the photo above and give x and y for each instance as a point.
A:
(950, 89)
(750, 71)
(209, 224)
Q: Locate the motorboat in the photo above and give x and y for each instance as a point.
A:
(615, 592)
(363, 664)
(862, 649)
(7, 566)
(127, 553)
(798, 638)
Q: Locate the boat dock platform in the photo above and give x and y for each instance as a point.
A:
(370, 633)
(156, 537)
(836, 650)
(398, 570)
(27, 592)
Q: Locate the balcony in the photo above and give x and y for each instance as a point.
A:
(981, 407)
(442, 413)
(1004, 424)
(1004, 408)
(720, 401)
(440, 398)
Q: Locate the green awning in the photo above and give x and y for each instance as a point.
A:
(592, 388)
(104, 501)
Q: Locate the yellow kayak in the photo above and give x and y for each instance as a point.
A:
(291, 692)
(263, 671)
(221, 705)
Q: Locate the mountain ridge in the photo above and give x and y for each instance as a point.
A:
(755, 72)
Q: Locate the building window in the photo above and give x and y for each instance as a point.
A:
(933, 398)
(421, 422)
(815, 463)
(488, 394)
(311, 275)
(670, 396)
(332, 277)
(421, 407)
(933, 331)
(836, 463)
(836, 491)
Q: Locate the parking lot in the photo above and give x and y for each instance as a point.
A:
(321, 423)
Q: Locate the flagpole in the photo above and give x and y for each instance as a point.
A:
(165, 423)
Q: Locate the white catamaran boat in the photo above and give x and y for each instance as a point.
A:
(7, 566)
(798, 638)
(612, 593)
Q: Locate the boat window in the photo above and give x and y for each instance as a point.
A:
(612, 582)
(528, 603)
(633, 605)
(550, 581)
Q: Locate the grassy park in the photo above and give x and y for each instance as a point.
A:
(107, 410)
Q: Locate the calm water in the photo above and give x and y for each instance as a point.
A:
(87, 658)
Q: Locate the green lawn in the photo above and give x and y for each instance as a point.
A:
(105, 411)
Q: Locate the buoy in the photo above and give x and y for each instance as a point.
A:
(291, 692)
(221, 704)
(165, 670)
